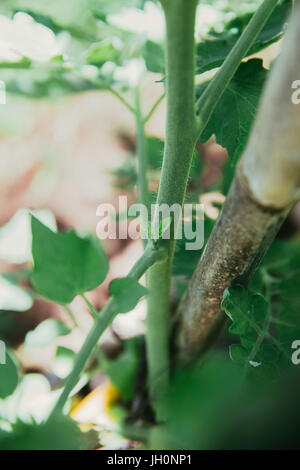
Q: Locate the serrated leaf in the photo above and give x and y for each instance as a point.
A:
(232, 118)
(265, 328)
(238, 353)
(65, 265)
(46, 333)
(8, 376)
(126, 292)
(235, 112)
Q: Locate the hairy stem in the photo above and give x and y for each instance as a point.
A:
(179, 145)
(103, 320)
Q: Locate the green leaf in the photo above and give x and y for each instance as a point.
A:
(65, 265)
(75, 17)
(122, 371)
(185, 261)
(238, 353)
(22, 63)
(213, 50)
(154, 57)
(46, 333)
(51, 80)
(105, 7)
(126, 292)
(15, 236)
(234, 114)
(101, 52)
(8, 376)
(59, 433)
(265, 328)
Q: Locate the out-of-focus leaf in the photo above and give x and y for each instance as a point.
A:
(193, 406)
(126, 292)
(63, 362)
(45, 333)
(238, 353)
(32, 400)
(105, 7)
(59, 433)
(212, 52)
(8, 375)
(65, 265)
(122, 371)
(14, 297)
(52, 80)
(154, 57)
(101, 52)
(209, 407)
(75, 17)
(23, 63)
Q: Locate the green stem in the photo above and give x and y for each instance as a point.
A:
(153, 109)
(102, 321)
(105, 87)
(179, 145)
(208, 100)
(90, 306)
(120, 98)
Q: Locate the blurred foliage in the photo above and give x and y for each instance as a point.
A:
(209, 406)
(212, 51)
(45, 436)
(123, 370)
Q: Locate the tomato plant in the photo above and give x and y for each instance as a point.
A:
(221, 320)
